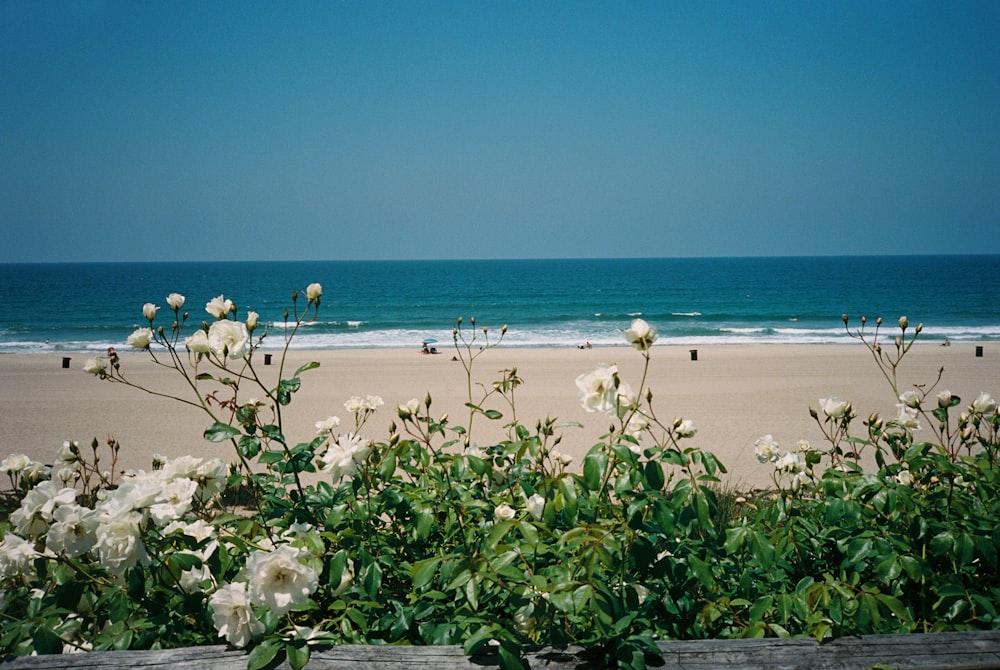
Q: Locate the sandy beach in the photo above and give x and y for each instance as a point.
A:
(733, 393)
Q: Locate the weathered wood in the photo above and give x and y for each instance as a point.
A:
(974, 650)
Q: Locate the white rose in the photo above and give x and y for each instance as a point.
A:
(232, 615)
(598, 390)
(354, 404)
(344, 455)
(535, 505)
(904, 478)
(228, 338)
(219, 307)
(119, 543)
(94, 367)
(278, 580)
(984, 404)
(641, 335)
(373, 402)
(68, 453)
(15, 463)
(175, 300)
(686, 429)
(326, 426)
(141, 338)
(252, 320)
(767, 450)
(908, 417)
(833, 407)
(74, 531)
(790, 462)
(16, 556)
(944, 399)
(911, 399)
(314, 291)
(411, 407)
(504, 512)
(198, 343)
(174, 501)
(149, 311)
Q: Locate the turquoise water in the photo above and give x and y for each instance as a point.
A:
(87, 307)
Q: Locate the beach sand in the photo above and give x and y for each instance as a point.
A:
(734, 394)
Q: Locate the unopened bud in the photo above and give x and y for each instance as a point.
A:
(503, 330)
(472, 320)
(649, 395)
(427, 401)
(967, 433)
(459, 322)
(813, 413)
(919, 327)
(903, 322)
(878, 321)
(295, 296)
(864, 320)
(843, 317)
(444, 418)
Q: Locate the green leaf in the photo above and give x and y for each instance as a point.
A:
(492, 414)
(297, 652)
(45, 641)
(594, 466)
(423, 572)
(262, 655)
(312, 365)
(653, 472)
(220, 432)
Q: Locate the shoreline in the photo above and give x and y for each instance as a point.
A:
(734, 394)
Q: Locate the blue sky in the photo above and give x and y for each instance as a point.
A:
(380, 130)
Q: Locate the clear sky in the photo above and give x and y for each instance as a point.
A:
(197, 130)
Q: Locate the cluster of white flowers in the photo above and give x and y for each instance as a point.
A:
(357, 404)
(279, 580)
(344, 456)
(112, 530)
(791, 464)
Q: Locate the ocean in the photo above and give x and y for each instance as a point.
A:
(83, 307)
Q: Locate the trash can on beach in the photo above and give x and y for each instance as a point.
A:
(267, 359)
(694, 354)
(66, 360)
(979, 352)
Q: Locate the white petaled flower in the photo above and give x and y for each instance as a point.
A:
(803, 446)
(598, 390)
(94, 367)
(74, 531)
(767, 450)
(637, 425)
(198, 342)
(35, 473)
(279, 580)
(209, 473)
(33, 516)
(174, 501)
(504, 512)
(908, 417)
(16, 556)
(314, 291)
(219, 307)
(68, 453)
(344, 455)
(790, 462)
(119, 543)
(686, 429)
(535, 506)
(175, 301)
(232, 615)
(326, 426)
(373, 402)
(149, 311)
(641, 335)
(140, 338)
(15, 463)
(560, 457)
(944, 399)
(833, 407)
(904, 478)
(228, 339)
(911, 399)
(984, 404)
(408, 410)
(354, 404)
(252, 320)
(197, 529)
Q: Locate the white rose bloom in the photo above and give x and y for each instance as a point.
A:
(119, 543)
(904, 478)
(198, 342)
(314, 291)
(38, 505)
(790, 462)
(354, 404)
(767, 450)
(686, 429)
(175, 300)
(219, 307)
(833, 407)
(197, 529)
(411, 407)
(149, 311)
(344, 455)
(326, 426)
(16, 556)
(641, 335)
(252, 320)
(93, 366)
(908, 417)
(373, 402)
(560, 457)
(232, 615)
(209, 473)
(228, 338)
(598, 390)
(636, 425)
(911, 399)
(68, 452)
(15, 463)
(944, 399)
(140, 338)
(535, 505)
(74, 532)
(36, 472)
(504, 512)
(279, 580)
(984, 404)
(174, 501)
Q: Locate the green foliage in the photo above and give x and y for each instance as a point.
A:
(422, 539)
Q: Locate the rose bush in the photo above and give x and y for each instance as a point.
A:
(425, 537)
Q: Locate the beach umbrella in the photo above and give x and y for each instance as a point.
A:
(429, 341)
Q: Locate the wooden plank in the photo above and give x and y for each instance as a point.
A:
(974, 650)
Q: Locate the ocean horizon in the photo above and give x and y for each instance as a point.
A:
(86, 307)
